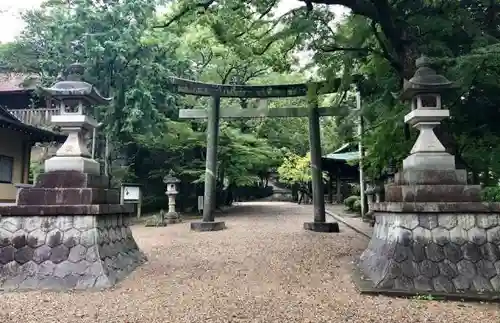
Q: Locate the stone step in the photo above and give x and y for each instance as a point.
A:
(73, 210)
(71, 179)
(431, 177)
(67, 196)
(435, 207)
(432, 193)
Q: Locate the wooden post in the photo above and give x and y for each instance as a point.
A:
(211, 162)
(330, 188)
(139, 205)
(316, 170)
(361, 155)
(319, 224)
(339, 188)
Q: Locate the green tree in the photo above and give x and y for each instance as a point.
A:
(125, 59)
(381, 40)
(295, 169)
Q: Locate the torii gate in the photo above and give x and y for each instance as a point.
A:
(218, 91)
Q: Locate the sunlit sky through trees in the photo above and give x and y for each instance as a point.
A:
(11, 24)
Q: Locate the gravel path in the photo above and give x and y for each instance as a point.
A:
(263, 268)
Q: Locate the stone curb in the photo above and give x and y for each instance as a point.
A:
(350, 225)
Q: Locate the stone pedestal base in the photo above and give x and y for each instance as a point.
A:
(434, 247)
(173, 217)
(79, 164)
(67, 232)
(433, 193)
(322, 226)
(429, 160)
(207, 226)
(66, 251)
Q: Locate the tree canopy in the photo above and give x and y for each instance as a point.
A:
(131, 49)
(381, 40)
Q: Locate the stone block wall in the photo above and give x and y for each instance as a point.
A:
(66, 252)
(434, 252)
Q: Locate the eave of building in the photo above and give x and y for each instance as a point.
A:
(7, 121)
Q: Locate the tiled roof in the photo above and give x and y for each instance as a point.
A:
(15, 82)
(347, 152)
(343, 156)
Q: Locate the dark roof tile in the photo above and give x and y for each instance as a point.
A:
(14, 82)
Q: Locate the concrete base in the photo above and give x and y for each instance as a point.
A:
(435, 252)
(207, 226)
(429, 161)
(322, 226)
(79, 164)
(66, 251)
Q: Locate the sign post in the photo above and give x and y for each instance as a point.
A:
(132, 193)
(200, 203)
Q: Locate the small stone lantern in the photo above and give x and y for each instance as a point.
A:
(424, 91)
(73, 96)
(171, 181)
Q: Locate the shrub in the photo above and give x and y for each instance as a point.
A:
(356, 206)
(491, 194)
(349, 202)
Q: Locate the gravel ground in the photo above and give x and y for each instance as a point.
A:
(263, 268)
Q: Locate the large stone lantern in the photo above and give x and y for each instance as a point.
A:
(432, 234)
(424, 91)
(74, 97)
(172, 190)
(68, 231)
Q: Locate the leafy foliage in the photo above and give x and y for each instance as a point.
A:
(295, 169)
(491, 194)
(130, 52)
(353, 203)
(381, 40)
(245, 158)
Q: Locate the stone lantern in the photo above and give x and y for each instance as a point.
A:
(432, 233)
(71, 220)
(424, 91)
(73, 97)
(172, 190)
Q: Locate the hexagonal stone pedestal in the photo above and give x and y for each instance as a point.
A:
(434, 248)
(79, 245)
(65, 252)
(433, 236)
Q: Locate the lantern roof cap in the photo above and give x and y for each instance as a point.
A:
(425, 80)
(70, 85)
(170, 178)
